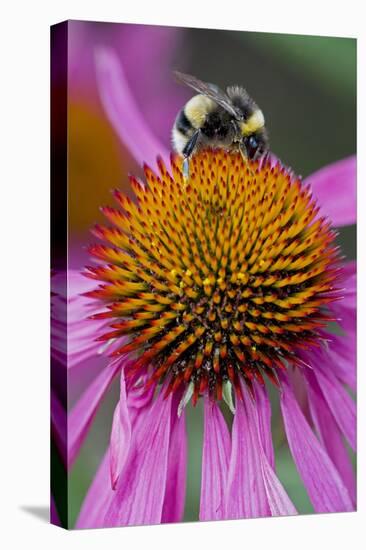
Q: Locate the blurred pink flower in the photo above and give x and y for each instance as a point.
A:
(146, 53)
(141, 479)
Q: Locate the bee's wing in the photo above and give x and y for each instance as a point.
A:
(210, 90)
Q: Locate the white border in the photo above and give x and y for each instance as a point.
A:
(24, 267)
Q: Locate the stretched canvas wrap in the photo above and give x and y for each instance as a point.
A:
(203, 308)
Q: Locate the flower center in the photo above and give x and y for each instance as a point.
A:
(221, 277)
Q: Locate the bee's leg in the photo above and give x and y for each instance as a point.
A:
(187, 152)
(243, 151)
(244, 154)
(185, 168)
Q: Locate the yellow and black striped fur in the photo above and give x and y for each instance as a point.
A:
(215, 119)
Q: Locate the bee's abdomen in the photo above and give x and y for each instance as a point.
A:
(190, 119)
(182, 132)
(183, 124)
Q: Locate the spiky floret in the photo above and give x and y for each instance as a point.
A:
(223, 276)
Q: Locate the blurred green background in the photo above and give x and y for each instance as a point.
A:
(305, 85)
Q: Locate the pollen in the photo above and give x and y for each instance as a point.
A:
(221, 277)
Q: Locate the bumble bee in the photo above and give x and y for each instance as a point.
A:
(213, 118)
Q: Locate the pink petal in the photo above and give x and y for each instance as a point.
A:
(340, 403)
(264, 411)
(100, 493)
(329, 433)
(326, 490)
(97, 499)
(278, 500)
(350, 272)
(82, 415)
(345, 312)
(148, 71)
(140, 491)
(73, 334)
(340, 355)
(138, 396)
(253, 488)
(246, 495)
(123, 111)
(345, 309)
(215, 463)
(120, 435)
(175, 491)
(335, 188)
(259, 415)
(296, 381)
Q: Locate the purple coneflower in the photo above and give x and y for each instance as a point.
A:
(210, 287)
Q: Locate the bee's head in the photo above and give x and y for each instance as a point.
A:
(255, 145)
(253, 134)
